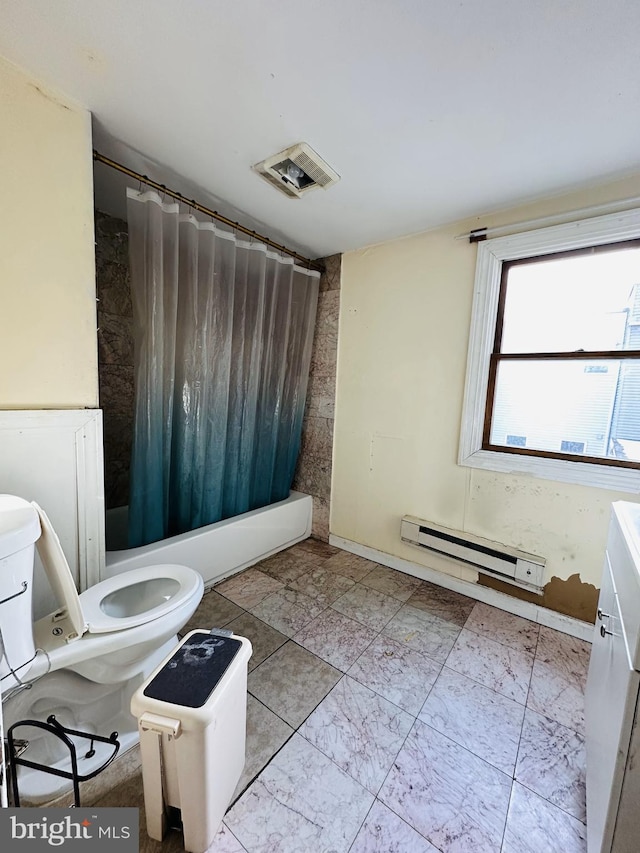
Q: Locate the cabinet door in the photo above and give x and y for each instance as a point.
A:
(610, 703)
(3, 767)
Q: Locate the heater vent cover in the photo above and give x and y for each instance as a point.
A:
(297, 170)
(492, 558)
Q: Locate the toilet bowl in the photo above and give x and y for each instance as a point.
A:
(96, 648)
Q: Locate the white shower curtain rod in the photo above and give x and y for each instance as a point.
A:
(100, 158)
(620, 206)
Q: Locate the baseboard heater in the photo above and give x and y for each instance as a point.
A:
(492, 558)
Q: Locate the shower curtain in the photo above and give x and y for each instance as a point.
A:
(223, 330)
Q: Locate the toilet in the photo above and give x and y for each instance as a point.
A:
(84, 661)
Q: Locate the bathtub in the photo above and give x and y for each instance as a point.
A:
(219, 549)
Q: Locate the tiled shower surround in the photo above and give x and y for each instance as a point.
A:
(115, 361)
(115, 354)
(389, 715)
(313, 474)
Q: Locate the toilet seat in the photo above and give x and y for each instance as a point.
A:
(187, 582)
(90, 611)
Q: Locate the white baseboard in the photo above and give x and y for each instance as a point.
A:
(526, 609)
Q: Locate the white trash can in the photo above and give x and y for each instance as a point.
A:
(191, 715)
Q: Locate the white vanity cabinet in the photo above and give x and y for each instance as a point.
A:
(612, 708)
(3, 766)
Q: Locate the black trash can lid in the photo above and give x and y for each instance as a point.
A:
(193, 672)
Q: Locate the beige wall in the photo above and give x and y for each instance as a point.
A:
(404, 325)
(47, 279)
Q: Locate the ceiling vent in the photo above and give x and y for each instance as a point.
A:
(297, 170)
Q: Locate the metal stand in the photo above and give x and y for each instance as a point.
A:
(61, 732)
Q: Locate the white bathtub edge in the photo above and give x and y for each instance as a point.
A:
(226, 547)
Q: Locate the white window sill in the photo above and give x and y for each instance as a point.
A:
(560, 470)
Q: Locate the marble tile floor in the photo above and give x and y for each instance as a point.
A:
(389, 715)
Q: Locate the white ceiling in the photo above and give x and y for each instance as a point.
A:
(430, 110)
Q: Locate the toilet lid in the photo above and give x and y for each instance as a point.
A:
(85, 612)
(58, 572)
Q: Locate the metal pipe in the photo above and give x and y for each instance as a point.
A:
(100, 158)
(621, 206)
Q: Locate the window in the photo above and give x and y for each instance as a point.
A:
(553, 375)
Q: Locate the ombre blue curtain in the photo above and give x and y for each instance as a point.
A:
(223, 331)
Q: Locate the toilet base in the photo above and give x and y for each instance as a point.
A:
(79, 704)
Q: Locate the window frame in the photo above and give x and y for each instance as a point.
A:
(492, 254)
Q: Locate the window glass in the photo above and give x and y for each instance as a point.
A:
(590, 408)
(578, 302)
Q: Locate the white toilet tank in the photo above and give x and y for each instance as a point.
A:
(19, 530)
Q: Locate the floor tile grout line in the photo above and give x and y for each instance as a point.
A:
(438, 619)
(441, 665)
(345, 671)
(275, 714)
(381, 695)
(290, 637)
(486, 686)
(294, 730)
(466, 749)
(515, 771)
(581, 735)
(549, 716)
(377, 797)
(287, 585)
(506, 819)
(232, 834)
(264, 767)
(346, 772)
(551, 803)
(524, 704)
(501, 695)
(515, 765)
(506, 645)
(500, 643)
(488, 763)
(359, 621)
(355, 837)
(526, 708)
(380, 634)
(535, 655)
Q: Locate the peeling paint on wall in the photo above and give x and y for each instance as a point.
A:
(572, 596)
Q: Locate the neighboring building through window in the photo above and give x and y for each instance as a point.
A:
(516, 441)
(553, 377)
(573, 446)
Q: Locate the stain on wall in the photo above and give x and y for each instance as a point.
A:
(313, 472)
(115, 354)
(572, 596)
